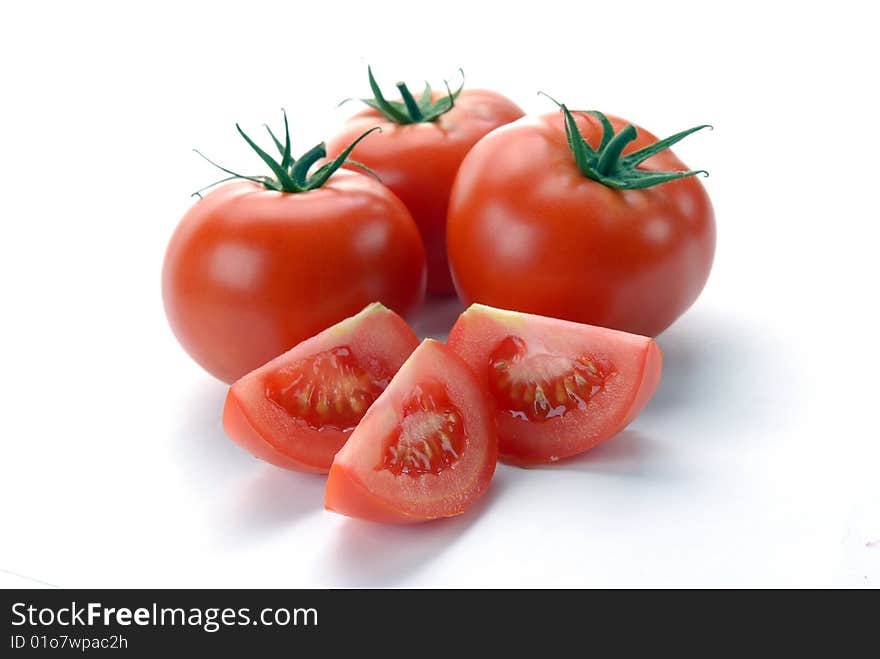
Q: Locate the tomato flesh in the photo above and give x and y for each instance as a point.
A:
(431, 435)
(425, 449)
(300, 408)
(559, 387)
(331, 389)
(541, 386)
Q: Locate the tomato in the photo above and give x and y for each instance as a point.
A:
(250, 271)
(418, 159)
(560, 388)
(425, 449)
(299, 409)
(528, 229)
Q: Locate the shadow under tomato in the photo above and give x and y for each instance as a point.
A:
(248, 497)
(706, 377)
(272, 500)
(209, 457)
(630, 453)
(368, 555)
(709, 366)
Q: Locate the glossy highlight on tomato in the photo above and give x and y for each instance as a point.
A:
(425, 449)
(559, 388)
(528, 230)
(298, 410)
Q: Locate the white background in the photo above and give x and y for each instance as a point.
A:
(755, 465)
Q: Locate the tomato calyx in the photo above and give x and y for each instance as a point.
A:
(291, 175)
(409, 110)
(607, 166)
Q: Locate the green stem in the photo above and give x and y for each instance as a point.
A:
(411, 105)
(611, 153)
(300, 170)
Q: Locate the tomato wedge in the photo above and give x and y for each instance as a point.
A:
(298, 410)
(425, 449)
(559, 387)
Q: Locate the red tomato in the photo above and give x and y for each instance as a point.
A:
(528, 230)
(299, 409)
(425, 449)
(560, 388)
(418, 161)
(251, 272)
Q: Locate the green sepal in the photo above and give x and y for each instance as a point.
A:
(291, 175)
(607, 166)
(409, 110)
(425, 98)
(280, 172)
(607, 128)
(643, 154)
(325, 171)
(299, 172)
(395, 111)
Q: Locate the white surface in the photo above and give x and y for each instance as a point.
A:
(756, 464)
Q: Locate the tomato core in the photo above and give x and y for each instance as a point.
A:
(331, 389)
(430, 437)
(536, 386)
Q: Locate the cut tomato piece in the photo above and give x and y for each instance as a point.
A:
(559, 388)
(298, 410)
(425, 449)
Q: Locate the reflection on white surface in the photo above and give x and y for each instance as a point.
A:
(717, 469)
(365, 555)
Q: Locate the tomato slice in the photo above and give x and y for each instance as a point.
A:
(560, 388)
(298, 410)
(425, 449)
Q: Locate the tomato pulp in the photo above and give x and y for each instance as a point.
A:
(425, 449)
(560, 388)
(527, 230)
(298, 410)
(251, 272)
(418, 161)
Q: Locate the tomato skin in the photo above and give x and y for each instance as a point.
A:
(636, 363)
(250, 272)
(358, 486)
(381, 341)
(528, 231)
(419, 161)
(239, 426)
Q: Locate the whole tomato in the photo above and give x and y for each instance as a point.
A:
(259, 265)
(583, 217)
(419, 150)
